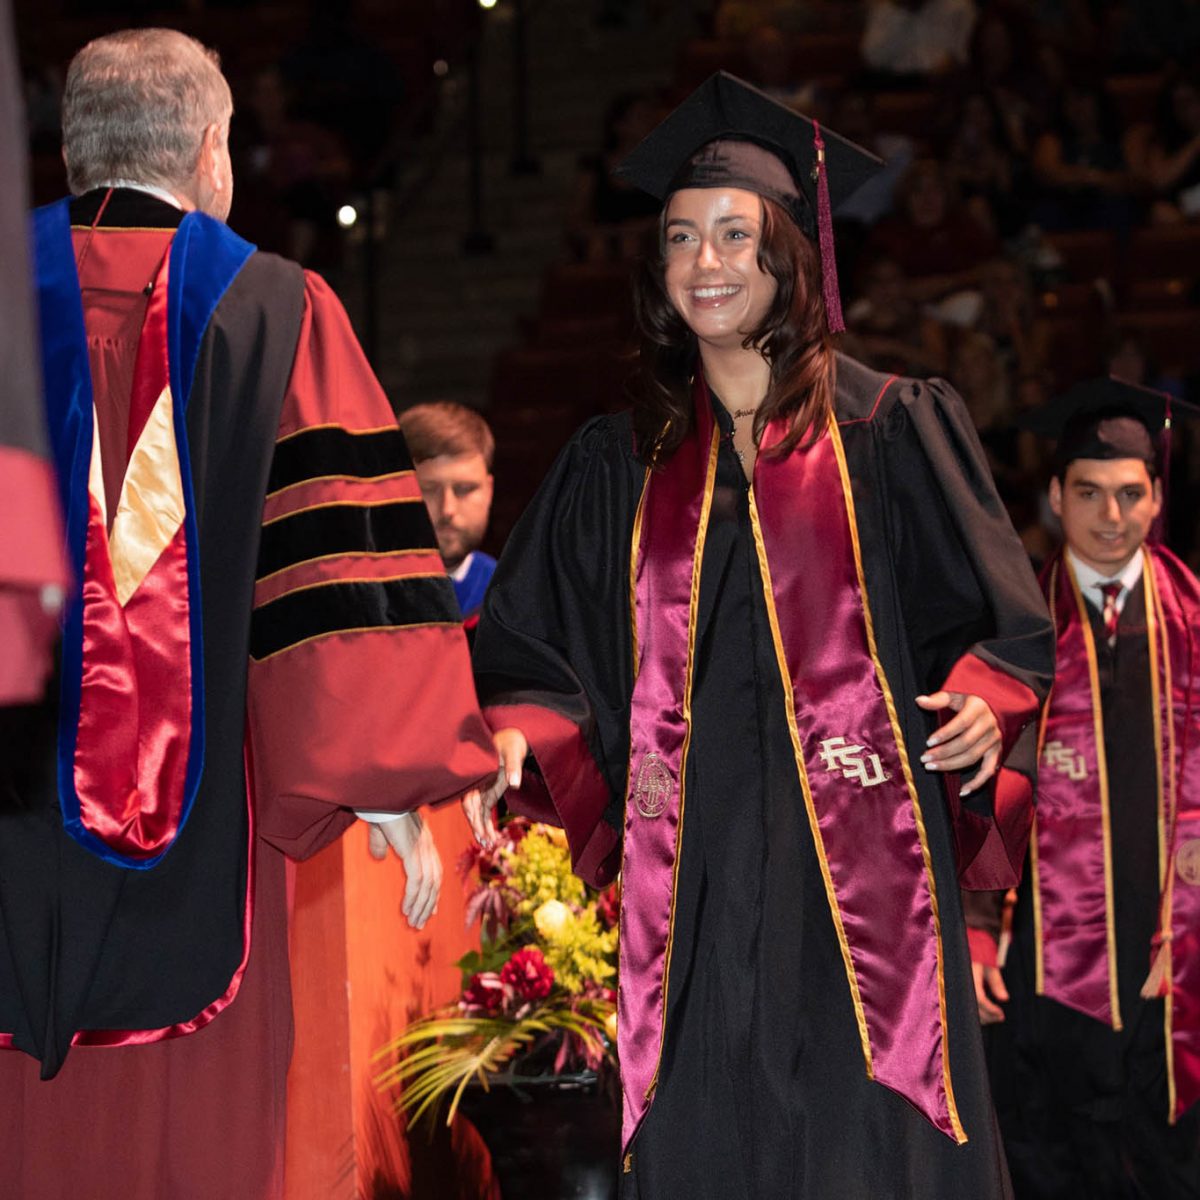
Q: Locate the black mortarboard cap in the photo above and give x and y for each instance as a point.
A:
(729, 134)
(726, 109)
(1105, 419)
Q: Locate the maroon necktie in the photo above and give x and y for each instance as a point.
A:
(1111, 592)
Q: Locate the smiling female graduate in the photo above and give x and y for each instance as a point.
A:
(726, 631)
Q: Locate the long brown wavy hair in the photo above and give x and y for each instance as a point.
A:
(793, 338)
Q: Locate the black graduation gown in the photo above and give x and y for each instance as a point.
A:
(1083, 1107)
(763, 1091)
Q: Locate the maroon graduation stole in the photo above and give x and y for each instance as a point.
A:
(851, 760)
(1071, 850)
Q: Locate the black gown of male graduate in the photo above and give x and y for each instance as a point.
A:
(1084, 1107)
(763, 1091)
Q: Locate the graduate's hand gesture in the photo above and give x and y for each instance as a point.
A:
(413, 842)
(971, 736)
(990, 993)
(511, 747)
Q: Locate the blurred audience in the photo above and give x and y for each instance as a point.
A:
(1083, 179)
(1129, 358)
(1018, 136)
(608, 218)
(855, 117)
(1165, 155)
(292, 174)
(342, 81)
(768, 58)
(983, 164)
(1016, 82)
(886, 329)
(917, 37)
(1003, 308)
(938, 242)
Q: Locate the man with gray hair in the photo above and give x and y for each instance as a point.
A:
(261, 641)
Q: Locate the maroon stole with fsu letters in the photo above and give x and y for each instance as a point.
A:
(851, 760)
(1071, 852)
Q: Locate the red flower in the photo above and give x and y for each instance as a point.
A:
(485, 992)
(608, 907)
(528, 974)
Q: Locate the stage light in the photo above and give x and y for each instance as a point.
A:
(487, 3)
(347, 215)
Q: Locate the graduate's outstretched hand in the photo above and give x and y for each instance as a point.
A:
(971, 736)
(413, 841)
(990, 993)
(478, 805)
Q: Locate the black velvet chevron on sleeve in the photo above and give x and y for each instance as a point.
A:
(329, 450)
(344, 528)
(337, 607)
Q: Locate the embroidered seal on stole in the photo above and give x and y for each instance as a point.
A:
(653, 787)
(1187, 861)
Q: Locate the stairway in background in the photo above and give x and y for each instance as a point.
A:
(444, 314)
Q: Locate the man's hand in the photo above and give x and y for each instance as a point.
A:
(989, 987)
(511, 747)
(971, 736)
(413, 841)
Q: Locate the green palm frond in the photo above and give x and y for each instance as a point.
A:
(440, 1055)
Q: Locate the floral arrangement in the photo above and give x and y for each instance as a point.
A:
(540, 993)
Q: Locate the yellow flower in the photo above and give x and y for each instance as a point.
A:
(551, 918)
(553, 834)
(610, 1026)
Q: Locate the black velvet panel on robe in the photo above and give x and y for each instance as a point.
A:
(1084, 1108)
(763, 1091)
(85, 944)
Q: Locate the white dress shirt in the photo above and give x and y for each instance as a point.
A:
(149, 188)
(1090, 580)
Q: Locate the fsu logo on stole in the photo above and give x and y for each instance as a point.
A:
(1064, 760)
(653, 787)
(854, 762)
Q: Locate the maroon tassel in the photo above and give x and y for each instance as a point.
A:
(1158, 531)
(829, 279)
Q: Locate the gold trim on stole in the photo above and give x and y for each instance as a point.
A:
(635, 549)
(1160, 652)
(1110, 925)
(960, 1135)
(798, 751)
(1039, 957)
(710, 479)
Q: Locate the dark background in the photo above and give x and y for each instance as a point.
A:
(1039, 222)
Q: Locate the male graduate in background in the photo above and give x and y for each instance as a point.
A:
(1097, 1064)
(452, 449)
(261, 640)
